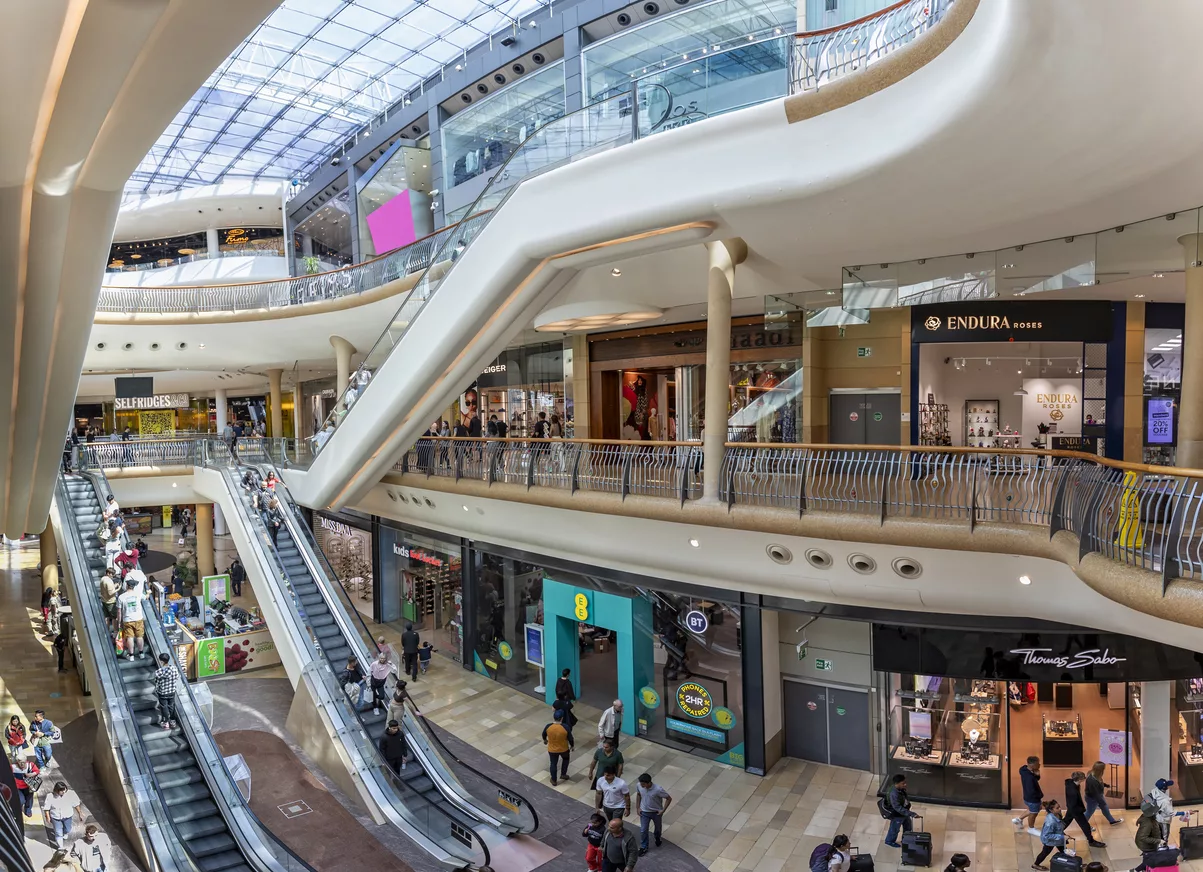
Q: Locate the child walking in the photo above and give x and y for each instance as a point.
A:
(594, 832)
(424, 656)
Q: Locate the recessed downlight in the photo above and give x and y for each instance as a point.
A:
(779, 554)
(862, 563)
(818, 558)
(694, 543)
(1023, 579)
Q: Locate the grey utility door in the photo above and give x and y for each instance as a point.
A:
(805, 721)
(848, 720)
(865, 419)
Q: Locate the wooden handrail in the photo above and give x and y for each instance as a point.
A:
(854, 23)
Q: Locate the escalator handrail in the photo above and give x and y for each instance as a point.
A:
(201, 738)
(394, 780)
(112, 684)
(332, 587)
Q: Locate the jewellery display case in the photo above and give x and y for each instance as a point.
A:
(917, 738)
(976, 742)
(1062, 739)
(1189, 776)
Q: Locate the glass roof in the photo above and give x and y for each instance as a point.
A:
(306, 79)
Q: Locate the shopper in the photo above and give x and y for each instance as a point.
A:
(396, 707)
(653, 801)
(565, 706)
(41, 733)
(112, 509)
(424, 656)
(610, 724)
(606, 755)
(237, 576)
(352, 674)
(25, 775)
(560, 744)
(1052, 834)
(612, 796)
(60, 645)
(133, 628)
(1148, 836)
(380, 670)
(60, 808)
(92, 851)
(900, 810)
(1160, 797)
(166, 683)
(1033, 795)
(564, 688)
(840, 858)
(958, 863)
(274, 520)
(409, 651)
(48, 596)
(594, 833)
(17, 738)
(618, 849)
(1075, 808)
(1096, 793)
(109, 589)
(393, 747)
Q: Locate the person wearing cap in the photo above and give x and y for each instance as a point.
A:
(1165, 806)
(654, 801)
(559, 742)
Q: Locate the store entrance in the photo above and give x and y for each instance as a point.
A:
(597, 671)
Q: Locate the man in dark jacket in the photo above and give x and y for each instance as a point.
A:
(393, 748)
(619, 849)
(900, 811)
(237, 576)
(410, 642)
(1075, 808)
(1033, 794)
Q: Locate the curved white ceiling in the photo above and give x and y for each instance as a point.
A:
(236, 203)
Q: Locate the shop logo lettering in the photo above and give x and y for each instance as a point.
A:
(415, 554)
(932, 323)
(335, 527)
(497, 367)
(981, 322)
(1089, 657)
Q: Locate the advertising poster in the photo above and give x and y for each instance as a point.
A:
(534, 644)
(210, 657)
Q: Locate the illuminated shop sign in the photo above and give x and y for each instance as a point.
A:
(416, 554)
(1013, 321)
(158, 401)
(237, 236)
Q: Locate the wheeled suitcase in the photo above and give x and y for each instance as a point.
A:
(860, 862)
(916, 847)
(1067, 862)
(1161, 860)
(1190, 839)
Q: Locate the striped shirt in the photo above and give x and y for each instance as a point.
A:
(166, 680)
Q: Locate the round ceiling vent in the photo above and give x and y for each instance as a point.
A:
(623, 19)
(404, 498)
(482, 88)
(518, 69)
(180, 346)
(100, 346)
(651, 8)
(780, 554)
(862, 563)
(538, 58)
(467, 98)
(906, 567)
(818, 558)
(416, 129)
(499, 78)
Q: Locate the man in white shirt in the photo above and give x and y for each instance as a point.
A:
(610, 724)
(111, 507)
(60, 808)
(92, 851)
(613, 797)
(133, 630)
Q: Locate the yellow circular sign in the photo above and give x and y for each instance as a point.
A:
(694, 700)
(582, 607)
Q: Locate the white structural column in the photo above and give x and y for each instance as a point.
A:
(48, 552)
(221, 404)
(1190, 408)
(720, 286)
(1156, 738)
(277, 421)
(212, 241)
(342, 360)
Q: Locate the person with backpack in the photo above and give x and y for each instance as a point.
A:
(1158, 799)
(1148, 836)
(1052, 834)
(895, 806)
(836, 857)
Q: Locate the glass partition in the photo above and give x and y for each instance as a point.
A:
(481, 137)
(394, 201)
(694, 33)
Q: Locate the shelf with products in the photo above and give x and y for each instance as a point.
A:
(1062, 740)
(933, 424)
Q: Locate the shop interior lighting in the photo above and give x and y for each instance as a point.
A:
(616, 272)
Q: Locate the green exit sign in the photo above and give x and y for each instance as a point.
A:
(864, 351)
(823, 665)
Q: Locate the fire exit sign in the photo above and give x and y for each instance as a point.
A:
(823, 665)
(864, 351)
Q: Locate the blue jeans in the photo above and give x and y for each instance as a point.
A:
(43, 754)
(62, 829)
(1100, 804)
(896, 824)
(648, 819)
(27, 801)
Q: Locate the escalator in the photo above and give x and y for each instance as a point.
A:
(209, 821)
(442, 802)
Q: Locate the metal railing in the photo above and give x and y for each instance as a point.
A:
(282, 293)
(1149, 517)
(195, 258)
(823, 56)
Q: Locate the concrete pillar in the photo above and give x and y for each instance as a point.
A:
(720, 286)
(204, 540)
(1157, 741)
(342, 362)
(276, 429)
(212, 241)
(222, 409)
(1134, 381)
(49, 557)
(1190, 407)
(770, 652)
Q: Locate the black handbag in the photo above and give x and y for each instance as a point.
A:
(34, 782)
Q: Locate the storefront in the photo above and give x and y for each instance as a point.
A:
(421, 583)
(650, 384)
(520, 384)
(964, 709)
(1017, 374)
(676, 660)
(346, 542)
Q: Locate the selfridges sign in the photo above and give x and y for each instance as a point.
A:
(158, 401)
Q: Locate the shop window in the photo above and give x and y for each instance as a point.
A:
(421, 584)
(348, 550)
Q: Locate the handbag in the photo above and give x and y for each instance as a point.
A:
(34, 782)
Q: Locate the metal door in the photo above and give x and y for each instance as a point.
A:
(805, 721)
(848, 723)
(847, 421)
(882, 415)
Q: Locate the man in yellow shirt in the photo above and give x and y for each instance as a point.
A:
(559, 742)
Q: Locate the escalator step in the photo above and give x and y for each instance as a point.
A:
(223, 862)
(311, 599)
(170, 778)
(208, 826)
(320, 618)
(194, 811)
(164, 743)
(325, 632)
(187, 793)
(209, 845)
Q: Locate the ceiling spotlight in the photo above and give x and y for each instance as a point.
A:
(963, 363)
(987, 361)
(1023, 579)
(616, 272)
(1158, 275)
(1019, 372)
(694, 542)
(1140, 296)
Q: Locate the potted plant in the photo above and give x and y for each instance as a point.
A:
(312, 265)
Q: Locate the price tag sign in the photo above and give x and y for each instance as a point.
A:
(697, 622)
